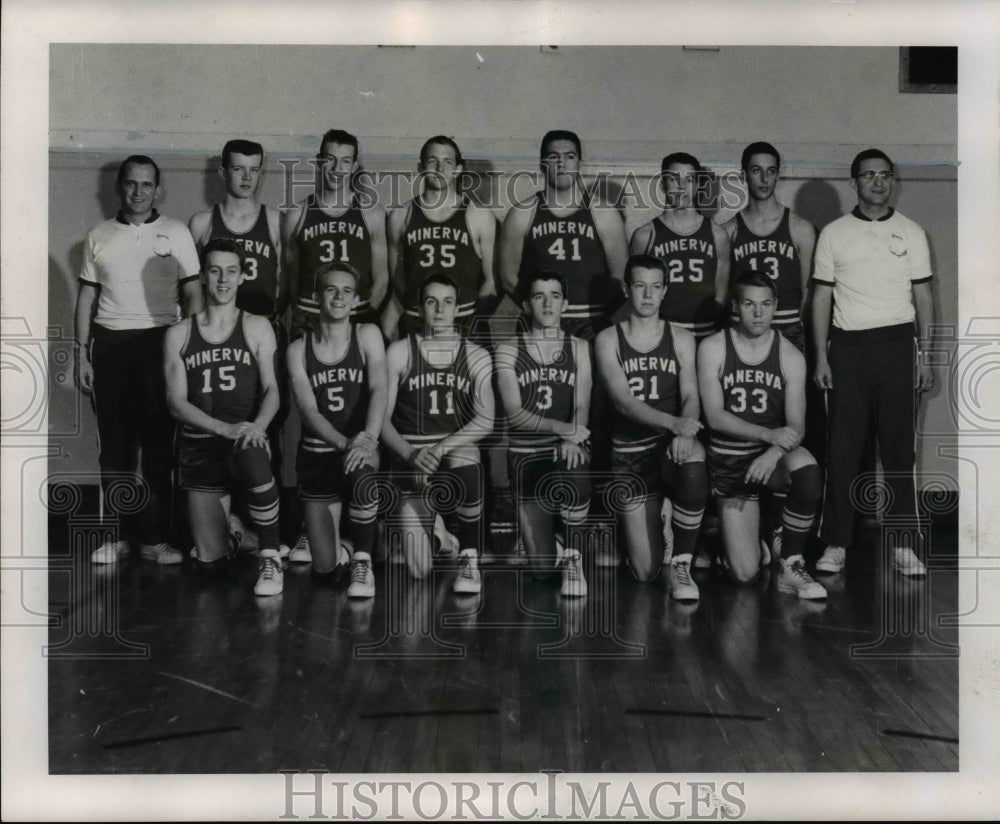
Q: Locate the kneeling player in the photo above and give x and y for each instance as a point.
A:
(752, 383)
(440, 406)
(648, 366)
(219, 367)
(545, 381)
(338, 376)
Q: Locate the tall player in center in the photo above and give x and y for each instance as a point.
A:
(439, 230)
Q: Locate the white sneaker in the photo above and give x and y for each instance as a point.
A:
(469, 581)
(110, 552)
(270, 577)
(574, 584)
(362, 580)
(794, 579)
(301, 553)
(682, 588)
(161, 553)
(702, 559)
(907, 563)
(832, 560)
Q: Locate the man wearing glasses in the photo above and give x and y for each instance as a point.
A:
(334, 225)
(873, 266)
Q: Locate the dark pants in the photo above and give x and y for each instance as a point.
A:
(873, 385)
(131, 405)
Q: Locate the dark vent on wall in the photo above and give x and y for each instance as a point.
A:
(928, 69)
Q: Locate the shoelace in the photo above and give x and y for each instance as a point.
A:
(268, 569)
(360, 572)
(302, 542)
(798, 569)
(572, 568)
(682, 575)
(465, 570)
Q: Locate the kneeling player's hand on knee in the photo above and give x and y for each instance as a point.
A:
(761, 469)
(681, 448)
(576, 434)
(360, 450)
(248, 434)
(573, 454)
(426, 459)
(688, 427)
(785, 437)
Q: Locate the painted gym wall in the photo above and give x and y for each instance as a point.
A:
(630, 105)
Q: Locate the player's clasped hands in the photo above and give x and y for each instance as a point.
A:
(576, 434)
(248, 434)
(761, 469)
(784, 437)
(361, 449)
(681, 448)
(427, 459)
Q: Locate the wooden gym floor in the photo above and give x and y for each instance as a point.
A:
(156, 670)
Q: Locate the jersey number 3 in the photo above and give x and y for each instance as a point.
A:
(739, 396)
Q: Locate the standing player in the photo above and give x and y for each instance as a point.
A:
(334, 225)
(338, 376)
(440, 406)
(219, 368)
(137, 270)
(752, 384)
(874, 267)
(648, 366)
(256, 228)
(441, 231)
(694, 250)
(770, 238)
(563, 229)
(251, 224)
(545, 382)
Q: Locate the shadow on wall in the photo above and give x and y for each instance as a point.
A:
(213, 187)
(818, 202)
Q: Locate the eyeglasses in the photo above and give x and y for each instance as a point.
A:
(869, 177)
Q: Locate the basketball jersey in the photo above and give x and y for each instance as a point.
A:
(428, 247)
(653, 378)
(776, 256)
(259, 290)
(433, 402)
(572, 247)
(222, 378)
(547, 390)
(340, 389)
(691, 262)
(753, 392)
(321, 239)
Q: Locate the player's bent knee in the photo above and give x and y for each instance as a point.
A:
(806, 484)
(798, 458)
(253, 464)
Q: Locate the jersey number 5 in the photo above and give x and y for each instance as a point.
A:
(335, 398)
(227, 381)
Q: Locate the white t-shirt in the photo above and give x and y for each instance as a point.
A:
(872, 266)
(139, 269)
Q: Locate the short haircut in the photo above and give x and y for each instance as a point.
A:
(137, 160)
(341, 137)
(759, 147)
(869, 154)
(561, 134)
(362, 282)
(644, 262)
(442, 140)
(680, 157)
(753, 278)
(436, 277)
(543, 274)
(224, 244)
(243, 147)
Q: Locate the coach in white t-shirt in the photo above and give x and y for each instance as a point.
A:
(137, 268)
(873, 266)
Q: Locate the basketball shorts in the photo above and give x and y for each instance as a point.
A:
(322, 477)
(446, 490)
(726, 475)
(206, 464)
(646, 466)
(543, 476)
